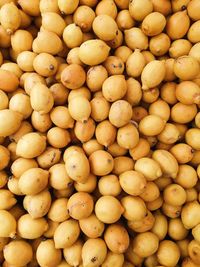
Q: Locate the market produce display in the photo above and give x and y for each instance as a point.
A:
(100, 133)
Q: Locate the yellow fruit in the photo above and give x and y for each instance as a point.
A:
(153, 24)
(94, 249)
(53, 22)
(72, 35)
(140, 9)
(114, 88)
(193, 33)
(67, 7)
(10, 17)
(186, 68)
(16, 248)
(8, 81)
(41, 98)
(47, 42)
(177, 25)
(136, 39)
(73, 76)
(93, 52)
(77, 166)
(105, 27)
(153, 74)
(10, 122)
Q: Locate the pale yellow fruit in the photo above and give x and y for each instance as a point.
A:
(168, 253)
(77, 166)
(193, 9)
(66, 233)
(145, 244)
(123, 52)
(169, 135)
(162, 6)
(105, 133)
(29, 228)
(153, 24)
(123, 135)
(8, 224)
(67, 7)
(47, 254)
(132, 182)
(124, 20)
(114, 187)
(10, 122)
(160, 226)
(117, 238)
(49, 157)
(31, 7)
(180, 47)
(134, 208)
(93, 52)
(3, 100)
(182, 113)
(99, 108)
(186, 68)
(10, 17)
(75, 111)
(47, 42)
(38, 205)
(140, 9)
(49, 6)
(136, 39)
(167, 162)
(114, 259)
(192, 138)
(153, 74)
(31, 145)
(32, 79)
(33, 181)
(160, 44)
(72, 254)
(84, 17)
(45, 65)
(135, 64)
(41, 98)
(72, 36)
(134, 92)
(108, 209)
(114, 88)
(103, 167)
(53, 22)
(193, 33)
(94, 249)
(194, 51)
(178, 25)
(105, 27)
(91, 226)
(149, 168)
(18, 252)
(7, 199)
(151, 125)
(196, 232)
(59, 178)
(25, 60)
(95, 77)
(57, 213)
(21, 103)
(80, 205)
(9, 80)
(109, 8)
(21, 41)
